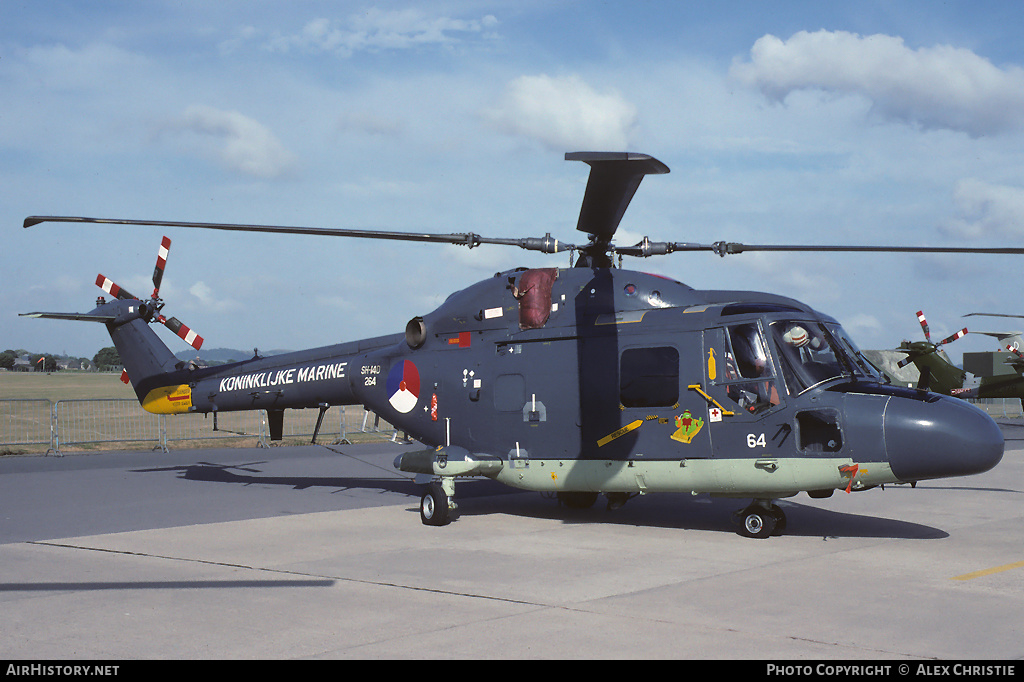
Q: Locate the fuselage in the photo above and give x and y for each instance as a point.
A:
(608, 379)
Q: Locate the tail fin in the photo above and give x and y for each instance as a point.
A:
(144, 355)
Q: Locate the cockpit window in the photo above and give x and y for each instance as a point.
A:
(748, 374)
(811, 353)
(862, 365)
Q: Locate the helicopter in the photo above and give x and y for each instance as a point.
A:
(934, 370)
(590, 379)
(999, 374)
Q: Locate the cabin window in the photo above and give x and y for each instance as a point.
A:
(748, 373)
(819, 431)
(649, 377)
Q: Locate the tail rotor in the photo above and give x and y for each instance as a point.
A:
(155, 304)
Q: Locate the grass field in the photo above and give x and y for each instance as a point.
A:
(112, 419)
(62, 386)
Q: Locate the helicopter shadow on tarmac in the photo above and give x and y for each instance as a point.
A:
(703, 513)
(248, 473)
(1016, 434)
(479, 498)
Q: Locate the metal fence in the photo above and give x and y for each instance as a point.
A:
(121, 423)
(26, 422)
(1005, 408)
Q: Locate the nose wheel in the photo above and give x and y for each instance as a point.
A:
(437, 506)
(761, 519)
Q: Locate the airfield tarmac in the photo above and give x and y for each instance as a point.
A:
(318, 552)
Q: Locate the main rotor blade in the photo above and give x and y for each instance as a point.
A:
(648, 248)
(724, 248)
(992, 315)
(924, 325)
(614, 179)
(953, 337)
(546, 244)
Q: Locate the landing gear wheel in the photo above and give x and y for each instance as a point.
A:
(434, 509)
(758, 522)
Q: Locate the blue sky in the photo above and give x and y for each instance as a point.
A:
(801, 122)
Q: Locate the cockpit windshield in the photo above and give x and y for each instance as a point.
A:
(861, 366)
(812, 352)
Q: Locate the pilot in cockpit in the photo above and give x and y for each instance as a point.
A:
(751, 362)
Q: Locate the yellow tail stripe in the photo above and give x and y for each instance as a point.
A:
(168, 400)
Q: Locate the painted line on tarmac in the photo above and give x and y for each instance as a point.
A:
(988, 571)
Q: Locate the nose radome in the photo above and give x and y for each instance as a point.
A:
(939, 437)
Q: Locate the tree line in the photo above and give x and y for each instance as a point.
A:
(106, 360)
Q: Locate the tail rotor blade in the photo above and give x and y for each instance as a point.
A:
(912, 356)
(959, 335)
(111, 288)
(161, 263)
(924, 325)
(186, 334)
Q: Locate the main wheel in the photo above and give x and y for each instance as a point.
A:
(434, 509)
(758, 522)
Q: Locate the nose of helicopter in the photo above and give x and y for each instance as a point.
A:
(938, 438)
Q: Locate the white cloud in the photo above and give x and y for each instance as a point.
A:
(242, 144)
(565, 113)
(985, 210)
(378, 29)
(208, 300)
(935, 87)
(92, 67)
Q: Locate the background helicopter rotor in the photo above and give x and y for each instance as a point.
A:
(917, 349)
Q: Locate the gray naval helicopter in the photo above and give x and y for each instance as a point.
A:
(591, 379)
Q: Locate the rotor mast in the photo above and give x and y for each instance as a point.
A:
(614, 179)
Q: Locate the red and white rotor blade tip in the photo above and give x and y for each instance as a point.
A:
(108, 285)
(959, 335)
(924, 325)
(161, 263)
(186, 334)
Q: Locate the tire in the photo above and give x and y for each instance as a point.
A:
(757, 523)
(434, 509)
